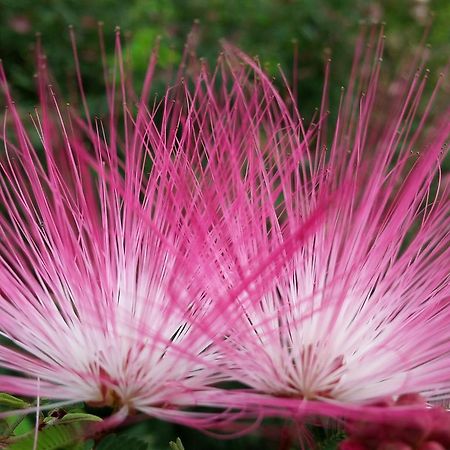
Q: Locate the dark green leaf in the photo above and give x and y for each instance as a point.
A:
(79, 417)
(57, 437)
(114, 442)
(12, 402)
(88, 445)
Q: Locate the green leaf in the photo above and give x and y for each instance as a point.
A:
(79, 417)
(18, 425)
(12, 402)
(4, 427)
(114, 442)
(52, 438)
(88, 445)
(332, 441)
(177, 445)
(73, 417)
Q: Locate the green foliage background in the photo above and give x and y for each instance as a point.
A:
(264, 27)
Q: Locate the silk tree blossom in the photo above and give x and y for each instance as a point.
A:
(359, 311)
(92, 234)
(216, 236)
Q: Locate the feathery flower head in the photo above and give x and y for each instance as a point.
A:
(217, 236)
(358, 311)
(95, 225)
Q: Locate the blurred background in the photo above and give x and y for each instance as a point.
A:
(268, 28)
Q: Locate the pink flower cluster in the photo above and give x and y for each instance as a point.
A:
(424, 430)
(216, 235)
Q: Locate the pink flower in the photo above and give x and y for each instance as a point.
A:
(424, 429)
(358, 310)
(91, 237)
(216, 236)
